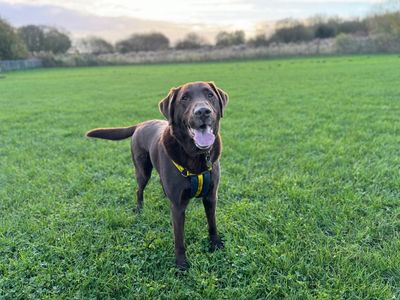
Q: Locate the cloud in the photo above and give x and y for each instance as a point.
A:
(84, 24)
(115, 19)
(209, 11)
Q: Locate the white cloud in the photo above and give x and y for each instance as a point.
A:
(82, 17)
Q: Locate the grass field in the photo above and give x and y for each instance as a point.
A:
(308, 204)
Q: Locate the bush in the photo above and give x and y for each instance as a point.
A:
(345, 44)
(379, 43)
(324, 31)
(48, 59)
(11, 45)
(294, 34)
(55, 41)
(191, 41)
(143, 42)
(95, 45)
(259, 40)
(385, 43)
(226, 39)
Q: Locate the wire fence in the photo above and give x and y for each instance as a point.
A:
(22, 64)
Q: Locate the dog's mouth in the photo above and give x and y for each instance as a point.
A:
(203, 136)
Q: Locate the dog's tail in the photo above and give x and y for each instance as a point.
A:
(114, 134)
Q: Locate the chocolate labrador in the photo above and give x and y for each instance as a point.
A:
(185, 152)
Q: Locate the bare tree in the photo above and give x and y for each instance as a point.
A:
(388, 23)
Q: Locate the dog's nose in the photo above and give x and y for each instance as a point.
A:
(202, 111)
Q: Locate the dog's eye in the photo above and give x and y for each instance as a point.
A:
(210, 95)
(185, 97)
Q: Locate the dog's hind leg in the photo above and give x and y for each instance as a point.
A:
(143, 168)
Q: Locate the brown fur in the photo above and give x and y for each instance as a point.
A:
(155, 143)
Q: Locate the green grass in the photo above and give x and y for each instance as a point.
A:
(309, 197)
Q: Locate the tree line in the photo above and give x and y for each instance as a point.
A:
(19, 43)
(32, 39)
(317, 28)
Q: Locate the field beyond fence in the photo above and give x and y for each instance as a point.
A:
(342, 44)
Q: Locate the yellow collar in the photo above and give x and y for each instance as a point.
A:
(185, 172)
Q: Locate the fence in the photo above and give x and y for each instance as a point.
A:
(10, 65)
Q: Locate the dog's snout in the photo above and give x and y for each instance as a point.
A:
(202, 111)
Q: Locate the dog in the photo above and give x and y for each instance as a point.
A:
(185, 151)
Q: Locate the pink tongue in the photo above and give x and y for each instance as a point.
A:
(204, 138)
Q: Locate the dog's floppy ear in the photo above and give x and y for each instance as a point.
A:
(223, 97)
(167, 105)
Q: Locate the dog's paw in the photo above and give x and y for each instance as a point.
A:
(138, 209)
(216, 243)
(182, 264)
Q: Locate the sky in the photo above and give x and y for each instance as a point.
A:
(211, 15)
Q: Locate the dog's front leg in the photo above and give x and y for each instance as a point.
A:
(178, 222)
(210, 203)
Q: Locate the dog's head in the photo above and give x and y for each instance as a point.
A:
(193, 111)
